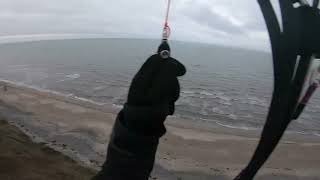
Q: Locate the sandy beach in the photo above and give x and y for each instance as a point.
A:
(190, 150)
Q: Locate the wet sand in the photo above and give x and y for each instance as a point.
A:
(190, 150)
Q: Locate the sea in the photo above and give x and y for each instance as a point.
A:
(227, 86)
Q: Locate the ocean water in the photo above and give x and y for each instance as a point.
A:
(227, 86)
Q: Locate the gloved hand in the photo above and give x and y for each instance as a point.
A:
(152, 96)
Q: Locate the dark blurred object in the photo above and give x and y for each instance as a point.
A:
(164, 50)
(153, 92)
(140, 124)
(293, 50)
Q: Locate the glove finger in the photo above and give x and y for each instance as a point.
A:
(142, 81)
(165, 87)
(148, 70)
(179, 67)
(171, 108)
(164, 92)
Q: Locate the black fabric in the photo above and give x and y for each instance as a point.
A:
(298, 111)
(152, 95)
(146, 120)
(129, 155)
(140, 124)
(311, 28)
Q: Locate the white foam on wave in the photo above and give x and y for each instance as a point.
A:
(228, 125)
(249, 116)
(19, 66)
(98, 88)
(226, 103)
(20, 69)
(88, 100)
(297, 132)
(223, 97)
(205, 93)
(252, 100)
(233, 116)
(316, 134)
(73, 76)
(218, 111)
(236, 127)
(304, 133)
(70, 77)
(187, 92)
(117, 106)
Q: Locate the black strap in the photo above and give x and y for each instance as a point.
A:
(289, 75)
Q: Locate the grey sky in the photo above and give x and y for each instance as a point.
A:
(229, 22)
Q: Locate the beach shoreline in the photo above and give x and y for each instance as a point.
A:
(80, 129)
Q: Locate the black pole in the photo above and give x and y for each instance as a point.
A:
(285, 48)
(315, 3)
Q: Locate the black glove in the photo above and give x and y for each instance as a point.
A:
(152, 95)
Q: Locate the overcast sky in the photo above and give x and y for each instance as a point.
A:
(229, 22)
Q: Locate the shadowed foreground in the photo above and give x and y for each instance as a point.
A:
(21, 159)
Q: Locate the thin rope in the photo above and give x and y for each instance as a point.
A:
(168, 11)
(166, 28)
